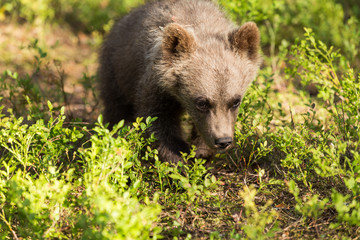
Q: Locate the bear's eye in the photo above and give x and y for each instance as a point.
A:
(236, 103)
(202, 104)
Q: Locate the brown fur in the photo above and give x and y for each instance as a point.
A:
(170, 57)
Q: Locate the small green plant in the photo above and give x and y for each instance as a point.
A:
(259, 223)
(311, 207)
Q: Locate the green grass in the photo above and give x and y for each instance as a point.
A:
(293, 174)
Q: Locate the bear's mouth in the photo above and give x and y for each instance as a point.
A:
(223, 143)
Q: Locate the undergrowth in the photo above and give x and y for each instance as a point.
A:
(293, 174)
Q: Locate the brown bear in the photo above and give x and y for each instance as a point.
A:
(169, 57)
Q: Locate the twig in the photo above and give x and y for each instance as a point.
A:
(8, 224)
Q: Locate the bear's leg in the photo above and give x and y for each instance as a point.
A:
(166, 127)
(118, 105)
(117, 111)
(168, 132)
(171, 147)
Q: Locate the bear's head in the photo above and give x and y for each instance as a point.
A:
(209, 74)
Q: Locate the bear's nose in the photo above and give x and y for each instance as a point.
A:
(223, 143)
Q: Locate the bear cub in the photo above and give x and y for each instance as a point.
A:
(169, 57)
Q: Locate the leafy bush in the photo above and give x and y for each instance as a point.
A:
(312, 148)
(45, 195)
(281, 22)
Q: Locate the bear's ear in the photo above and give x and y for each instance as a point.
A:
(246, 39)
(177, 41)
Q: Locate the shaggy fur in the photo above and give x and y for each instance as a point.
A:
(170, 57)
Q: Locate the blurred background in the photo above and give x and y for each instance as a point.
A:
(56, 42)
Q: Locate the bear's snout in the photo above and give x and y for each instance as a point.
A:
(222, 143)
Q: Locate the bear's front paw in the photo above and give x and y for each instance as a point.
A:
(205, 153)
(172, 152)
